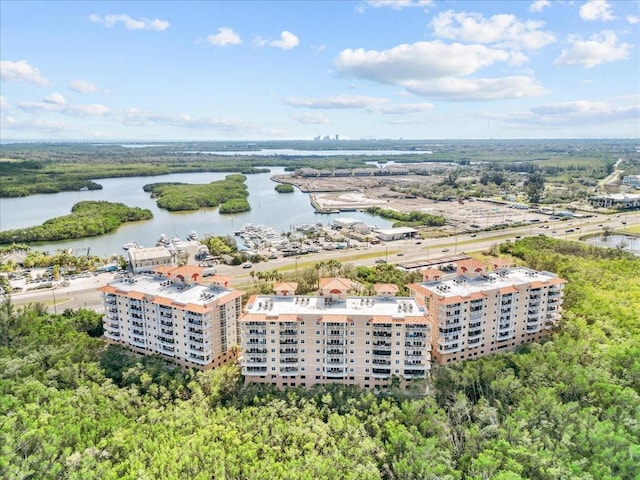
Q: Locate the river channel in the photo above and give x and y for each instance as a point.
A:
(268, 207)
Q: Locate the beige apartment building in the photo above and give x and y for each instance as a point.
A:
(483, 309)
(169, 313)
(332, 337)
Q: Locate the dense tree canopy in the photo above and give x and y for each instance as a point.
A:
(87, 219)
(567, 408)
(231, 194)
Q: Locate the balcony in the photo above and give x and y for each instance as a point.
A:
(533, 328)
(254, 370)
(335, 372)
(334, 343)
(410, 373)
(254, 350)
(256, 341)
(413, 363)
(289, 341)
(381, 333)
(138, 342)
(194, 321)
(197, 358)
(380, 343)
(257, 333)
(287, 333)
(382, 352)
(473, 341)
(166, 340)
(288, 371)
(448, 347)
(114, 325)
(167, 331)
(335, 351)
(414, 353)
(381, 372)
(195, 347)
(415, 345)
(288, 362)
(382, 361)
(135, 331)
(166, 323)
(255, 362)
(416, 335)
(112, 334)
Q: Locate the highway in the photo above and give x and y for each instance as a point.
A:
(82, 293)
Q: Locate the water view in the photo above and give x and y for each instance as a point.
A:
(625, 242)
(280, 211)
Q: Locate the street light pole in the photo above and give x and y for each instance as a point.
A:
(55, 307)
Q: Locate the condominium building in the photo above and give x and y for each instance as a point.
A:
(171, 314)
(332, 337)
(477, 311)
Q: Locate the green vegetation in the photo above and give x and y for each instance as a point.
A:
(411, 219)
(567, 408)
(284, 188)
(87, 219)
(231, 194)
(53, 167)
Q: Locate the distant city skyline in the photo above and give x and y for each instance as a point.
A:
(267, 70)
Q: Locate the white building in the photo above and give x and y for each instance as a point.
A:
(631, 180)
(295, 340)
(170, 314)
(616, 200)
(398, 233)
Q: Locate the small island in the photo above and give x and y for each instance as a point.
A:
(87, 219)
(284, 188)
(230, 194)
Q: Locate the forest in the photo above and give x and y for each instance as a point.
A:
(53, 167)
(411, 219)
(230, 194)
(87, 219)
(568, 408)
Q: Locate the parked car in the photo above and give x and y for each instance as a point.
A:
(247, 265)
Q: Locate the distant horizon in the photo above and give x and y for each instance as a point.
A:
(157, 142)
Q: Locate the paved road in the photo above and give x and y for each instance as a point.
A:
(82, 292)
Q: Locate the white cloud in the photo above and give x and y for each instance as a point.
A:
(88, 110)
(55, 98)
(633, 19)
(338, 102)
(287, 41)
(419, 61)
(130, 23)
(314, 118)
(225, 36)
(82, 86)
(21, 71)
(539, 5)
(503, 29)
(403, 108)
(577, 113)
(355, 102)
(482, 89)
(4, 104)
(600, 48)
(596, 10)
(398, 4)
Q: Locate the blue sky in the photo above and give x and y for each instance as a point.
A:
(415, 69)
